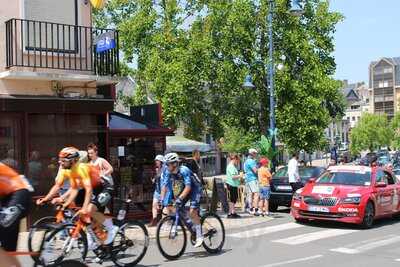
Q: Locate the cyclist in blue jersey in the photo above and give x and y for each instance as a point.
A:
(191, 190)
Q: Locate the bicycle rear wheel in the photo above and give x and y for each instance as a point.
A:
(59, 245)
(171, 242)
(213, 231)
(130, 244)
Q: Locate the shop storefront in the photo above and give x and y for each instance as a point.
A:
(133, 147)
(33, 130)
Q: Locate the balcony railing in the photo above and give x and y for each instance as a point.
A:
(40, 44)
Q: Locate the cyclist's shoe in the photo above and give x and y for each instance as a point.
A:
(111, 235)
(199, 241)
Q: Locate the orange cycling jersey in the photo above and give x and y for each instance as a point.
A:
(81, 175)
(11, 181)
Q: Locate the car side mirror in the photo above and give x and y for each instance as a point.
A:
(380, 184)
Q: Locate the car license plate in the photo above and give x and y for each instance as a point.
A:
(318, 209)
(284, 187)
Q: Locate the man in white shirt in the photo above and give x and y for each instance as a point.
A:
(293, 173)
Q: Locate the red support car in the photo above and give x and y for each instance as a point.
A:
(350, 194)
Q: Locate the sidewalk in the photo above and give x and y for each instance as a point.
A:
(246, 221)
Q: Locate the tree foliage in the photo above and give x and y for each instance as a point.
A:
(395, 125)
(192, 56)
(372, 132)
(236, 140)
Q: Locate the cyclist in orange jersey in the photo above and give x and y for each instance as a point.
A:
(87, 189)
(15, 199)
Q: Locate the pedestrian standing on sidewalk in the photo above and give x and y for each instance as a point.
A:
(159, 162)
(293, 173)
(251, 179)
(232, 183)
(264, 179)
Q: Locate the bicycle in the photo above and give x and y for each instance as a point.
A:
(131, 235)
(172, 228)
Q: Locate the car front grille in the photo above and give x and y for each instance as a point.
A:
(321, 214)
(323, 201)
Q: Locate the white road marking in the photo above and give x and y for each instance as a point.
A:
(266, 230)
(309, 237)
(391, 239)
(293, 261)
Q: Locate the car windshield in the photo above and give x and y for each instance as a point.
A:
(345, 178)
(282, 172)
(303, 172)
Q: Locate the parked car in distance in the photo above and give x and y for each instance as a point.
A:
(281, 191)
(349, 194)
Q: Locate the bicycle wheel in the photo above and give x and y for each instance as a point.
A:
(37, 233)
(213, 231)
(130, 244)
(59, 245)
(172, 244)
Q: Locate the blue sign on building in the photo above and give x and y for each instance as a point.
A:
(106, 41)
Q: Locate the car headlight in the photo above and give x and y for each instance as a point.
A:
(351, 200)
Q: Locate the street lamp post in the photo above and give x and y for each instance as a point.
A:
(297, 11)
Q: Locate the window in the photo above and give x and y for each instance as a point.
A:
(56, 36)
(10, 140)
(387, 70)
(353, 118)
(48, 133)
(358, 118)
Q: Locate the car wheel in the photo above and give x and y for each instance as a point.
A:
(273, 207)
(369, 215)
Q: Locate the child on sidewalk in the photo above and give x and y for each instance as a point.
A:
(264, 178)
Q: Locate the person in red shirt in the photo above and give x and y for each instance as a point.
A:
(15, 199)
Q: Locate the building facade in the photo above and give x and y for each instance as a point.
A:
(357, 98)
(384, 81)
(57, 76)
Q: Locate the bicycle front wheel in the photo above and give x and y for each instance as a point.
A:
(60, 245)
(171, 238)
(37, 234)
(214, 233)
(130, 244)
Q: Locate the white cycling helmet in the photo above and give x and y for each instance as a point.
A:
(160, 158)
(171, 158)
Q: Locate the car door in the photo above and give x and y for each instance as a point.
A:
(395, 192)
(384, 194)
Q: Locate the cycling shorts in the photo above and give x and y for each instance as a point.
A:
(195, 198)
(80, 199)
(20, 198)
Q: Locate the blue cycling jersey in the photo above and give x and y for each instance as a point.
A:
(184, 175)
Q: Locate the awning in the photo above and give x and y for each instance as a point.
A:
(124, 126)
(49, 104)
(182, 144)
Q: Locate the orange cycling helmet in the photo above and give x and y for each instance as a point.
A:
(69, 153)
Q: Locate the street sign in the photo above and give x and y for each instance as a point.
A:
(105, 41)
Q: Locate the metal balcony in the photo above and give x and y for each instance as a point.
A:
(48, 45)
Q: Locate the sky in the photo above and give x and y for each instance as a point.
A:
(370, 30)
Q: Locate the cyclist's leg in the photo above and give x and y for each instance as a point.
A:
(195, 196)
(97, 209)
(9, 235)
(7, 260)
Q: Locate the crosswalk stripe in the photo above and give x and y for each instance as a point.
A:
(368, 245)
(309, 237)
(266, 230)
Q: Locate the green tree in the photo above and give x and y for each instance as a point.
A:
(236, 140)
(192, 56)
(372, 132)
(395, 125)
